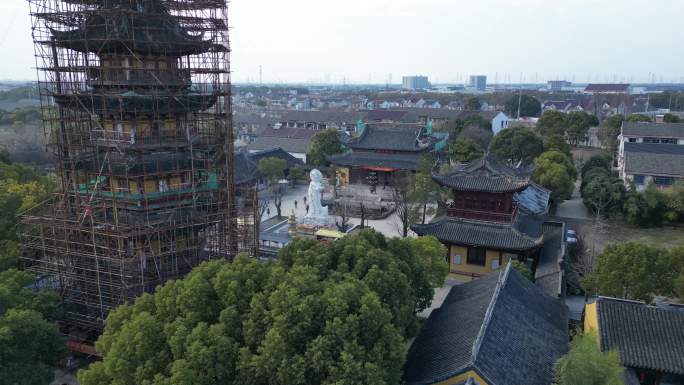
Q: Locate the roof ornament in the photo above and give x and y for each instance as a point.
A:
(360, 127)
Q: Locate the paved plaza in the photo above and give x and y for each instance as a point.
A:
(389, 226)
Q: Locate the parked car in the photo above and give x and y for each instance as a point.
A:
(571, 236)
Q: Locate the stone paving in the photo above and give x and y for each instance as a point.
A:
(389, 226)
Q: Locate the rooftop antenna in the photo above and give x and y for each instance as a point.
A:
(261, 76)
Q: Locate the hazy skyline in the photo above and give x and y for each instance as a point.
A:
(447, 40)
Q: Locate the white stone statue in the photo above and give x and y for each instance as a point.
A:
(317, 212)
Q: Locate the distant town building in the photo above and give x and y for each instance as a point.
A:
(322, 120)
(557, 85)
(607, 88)
(651, 153)
(649, 339)
(295, 141)
(498, 119)
(478, 82)
(416, 83)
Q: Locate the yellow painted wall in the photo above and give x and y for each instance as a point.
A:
(175, 183)
(150, 186)
(492, 255)
(591, 319)
(133, 186)
(462, 377)
(144, 127)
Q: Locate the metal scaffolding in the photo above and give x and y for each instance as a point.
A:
(137, 110)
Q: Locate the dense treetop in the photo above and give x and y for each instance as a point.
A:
(336, 314)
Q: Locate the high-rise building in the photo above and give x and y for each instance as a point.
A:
(136, 104)
(478, 82)
(415, 83)
(557, 85)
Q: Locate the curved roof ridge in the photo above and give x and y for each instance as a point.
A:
(503, 277)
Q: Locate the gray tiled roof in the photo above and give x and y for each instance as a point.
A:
(501, 326)
(245, 168)
(389, 138)
(399, 116)
(277, 153)
(654, 159)
(372, 159)
(657, 130)
(549, 273)
(647, 337)
(524, 235)
(607, 87)
(337, 117)
(291, 145)
(535, 199)
(486, 174)
(446, 114)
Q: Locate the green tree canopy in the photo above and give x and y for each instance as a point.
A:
(609, 131)
(633, 271)
(578, 125)
(272, 168)
(552, 122)
(602, 193)
(336, 314)
(585, 364)
(296, 173)
(603, 161)
(671, 118)
(555, 171)
(638, 118)
(473, 103)
(557, 142)
(529, 106)
(653, 207)
(464, 151)
(30, 348)
(324, 144)
(30, 344)
(517, 144)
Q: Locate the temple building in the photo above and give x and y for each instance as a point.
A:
(136, 97)
(496, 214)
(382, 154)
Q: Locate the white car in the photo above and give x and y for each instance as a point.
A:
(571, 236)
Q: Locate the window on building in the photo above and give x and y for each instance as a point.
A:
(663, 181)
(477, 256)
(632, 140)
(639, 179)
(457, 259)
(651, 140)
(669, 140)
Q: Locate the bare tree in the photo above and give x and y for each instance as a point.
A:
(343, 225)
(362, 210)
(407, 209)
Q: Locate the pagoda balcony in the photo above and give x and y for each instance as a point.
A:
(139, 78)
(165, 139)
(481, 215)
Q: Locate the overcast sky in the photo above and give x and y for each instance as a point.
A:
(362, 40)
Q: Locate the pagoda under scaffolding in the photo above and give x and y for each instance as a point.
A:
(136, 104)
